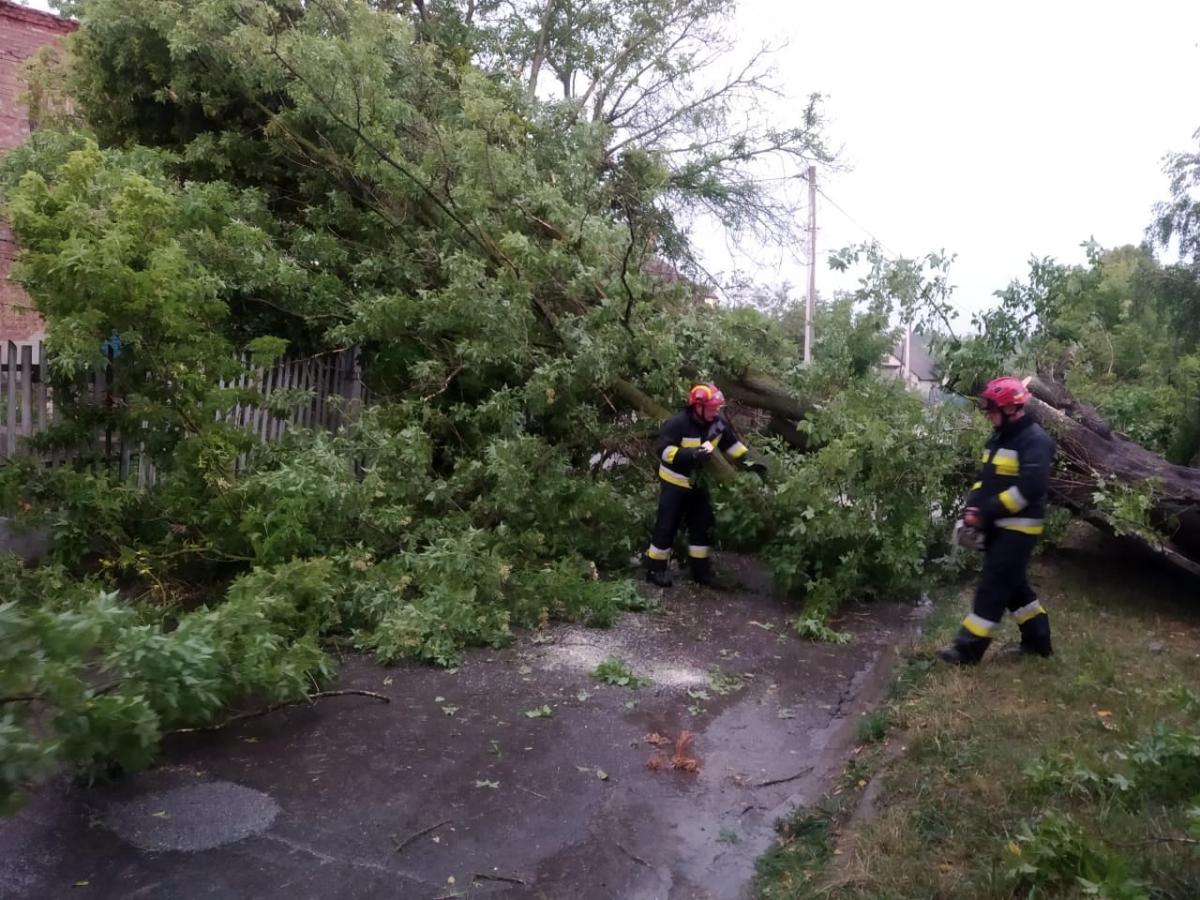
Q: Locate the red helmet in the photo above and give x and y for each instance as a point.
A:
(708, 396)
(1002, 392)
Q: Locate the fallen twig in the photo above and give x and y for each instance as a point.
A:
(483, 876)
(633, 856)
(424, 831)
(1158, 839)
(535, 793)
(799, 774)
(274, 706)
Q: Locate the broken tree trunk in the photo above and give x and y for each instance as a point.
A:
(1094, 452)
(750, 389)
(638, 399)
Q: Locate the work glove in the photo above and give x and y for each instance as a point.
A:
(695, 454)
(716, 429)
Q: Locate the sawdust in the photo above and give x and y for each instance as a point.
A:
(580, 650)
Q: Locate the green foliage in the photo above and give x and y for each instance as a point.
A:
(616, 671)
(813, 629)
(244, 180)
(1053, 853)
(1127, 506)
(98, 681)
(1120, 330)
(858, 517)
(1163, 764)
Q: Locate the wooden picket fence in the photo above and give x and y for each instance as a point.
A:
(331, 382)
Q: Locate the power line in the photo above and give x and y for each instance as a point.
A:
(853, 221)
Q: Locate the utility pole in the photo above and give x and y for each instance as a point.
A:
(811, 304)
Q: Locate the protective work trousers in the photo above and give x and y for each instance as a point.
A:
(1004, 585)
(675, 505)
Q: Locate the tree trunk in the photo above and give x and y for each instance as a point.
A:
(539, 53)
(750, 389)
(638, 399)
(1093, 452)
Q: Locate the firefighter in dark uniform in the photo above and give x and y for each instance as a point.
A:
(1008, 505)
(685, 442)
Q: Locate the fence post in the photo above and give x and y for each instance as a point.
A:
(10, 413)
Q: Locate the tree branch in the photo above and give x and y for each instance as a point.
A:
(240, 717)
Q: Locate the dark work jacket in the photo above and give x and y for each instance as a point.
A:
(1014, 477)
(681, 436)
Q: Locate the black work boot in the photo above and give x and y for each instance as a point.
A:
(966, 650)
(1035, 636)
(657, 574)
(1013, 652)
(952, 654)
(702, 572)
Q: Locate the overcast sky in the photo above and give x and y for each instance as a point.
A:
(994, 130)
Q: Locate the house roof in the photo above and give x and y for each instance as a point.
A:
(921, 364)
(22, 13)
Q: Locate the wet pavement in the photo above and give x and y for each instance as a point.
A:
(452, 790)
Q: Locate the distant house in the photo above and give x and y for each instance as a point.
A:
(911, 361)
(662, 270)
(23, 31)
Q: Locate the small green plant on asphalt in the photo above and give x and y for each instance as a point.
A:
(616, 671)
(814, 629)
(724, 683)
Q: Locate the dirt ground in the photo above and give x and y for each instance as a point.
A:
(452, 790)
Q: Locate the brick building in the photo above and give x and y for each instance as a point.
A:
(23, 31)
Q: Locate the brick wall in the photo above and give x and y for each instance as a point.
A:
(23, 32)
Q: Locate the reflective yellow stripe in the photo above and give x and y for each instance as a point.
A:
(658, 553)
(1013, 500)
(985, 456)
(737, 451)
(1007, 462)
(1025, 526)
(672, 477)
(668, 453)
(690, 442)
(1029, 611)
(978, 625)
(977, 485)
(697, 552)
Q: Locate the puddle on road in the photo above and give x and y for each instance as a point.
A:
(192, 817)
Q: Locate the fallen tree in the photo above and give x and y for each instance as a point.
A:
(1165, 514)
(294, 177)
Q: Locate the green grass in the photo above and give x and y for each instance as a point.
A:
(1077, 776)
(805, 844)
(872, 727)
